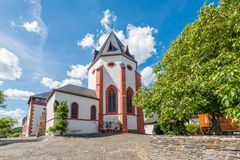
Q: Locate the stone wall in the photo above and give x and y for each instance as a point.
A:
(202, 147)
(42, 125)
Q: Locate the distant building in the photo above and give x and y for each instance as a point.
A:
(36, 105)
(112, 81)
(226, 124)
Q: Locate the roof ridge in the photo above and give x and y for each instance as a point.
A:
(74, 86)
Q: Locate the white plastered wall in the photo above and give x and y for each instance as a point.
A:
(50, 111)
(83, 124)
(111, 76)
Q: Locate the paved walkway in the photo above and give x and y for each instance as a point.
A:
(6, 141)
(115, 147)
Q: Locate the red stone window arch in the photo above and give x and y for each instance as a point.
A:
(130, 107)
(129, 67)
(111, 100)
(111, 64)
(74, 110)
(93, 112)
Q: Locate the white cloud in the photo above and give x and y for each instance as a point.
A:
(87, 41)
(108, 18)
(76, 82)
(141, 42)
(9, 65)
(12, 24)
(32, 26)
(17, 94)
(78, 71)
(50, 83)
(147, 76)
(16, 114)
(36, 14)
(140, 39)
(1, 82)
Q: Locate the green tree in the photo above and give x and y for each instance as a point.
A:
(61, 116)
(6, 126)
(2, 105)
(200, 73)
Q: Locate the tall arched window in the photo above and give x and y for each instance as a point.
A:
(74, 110)
(93, 112)
(130, 107)
(111, 99)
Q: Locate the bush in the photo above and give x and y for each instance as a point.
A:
(192, 129)
(61, 116)
(157, 129)
(173, 128)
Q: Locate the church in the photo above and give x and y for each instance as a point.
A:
(112, 82)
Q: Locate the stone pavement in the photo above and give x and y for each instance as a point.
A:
(121, 147)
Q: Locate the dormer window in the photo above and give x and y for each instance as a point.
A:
(111, 64)
(111, 47)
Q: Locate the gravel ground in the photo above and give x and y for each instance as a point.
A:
(116, 147)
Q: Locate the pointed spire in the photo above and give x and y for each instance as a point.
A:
(112, 45)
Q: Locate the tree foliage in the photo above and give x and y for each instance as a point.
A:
(2, 105)
(6, 126)
(61, 116)
(200, 73)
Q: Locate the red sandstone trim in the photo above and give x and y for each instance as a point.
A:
(99, 92)
(123, 102)
(29, 127)
(133, 107)
(129, 67)
(140, 118)
(111, 64)
(77, 119)
(106, 95)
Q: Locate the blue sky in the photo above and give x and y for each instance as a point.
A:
(46, 44)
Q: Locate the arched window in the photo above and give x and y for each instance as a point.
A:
(56, 103)
(111, 99)
(74, 110)
(93, 113)
(130, 107)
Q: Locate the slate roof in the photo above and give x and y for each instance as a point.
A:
(42, 95)
(117, 47)
(76, 90)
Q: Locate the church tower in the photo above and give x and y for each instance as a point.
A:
(113, 75)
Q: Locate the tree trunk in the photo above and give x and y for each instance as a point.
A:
(216, 124)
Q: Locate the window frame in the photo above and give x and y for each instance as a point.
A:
(110, 88)
(95, 113)
(130, 93)
(72, 110)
